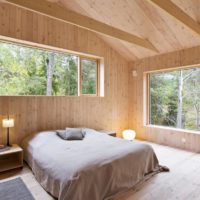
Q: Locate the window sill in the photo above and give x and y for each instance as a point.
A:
(172, 129)
(68, 96)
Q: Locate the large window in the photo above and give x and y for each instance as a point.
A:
(174, 98)
(32, 71)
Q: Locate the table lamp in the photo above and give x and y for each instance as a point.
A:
(8, 123)
(129, 134)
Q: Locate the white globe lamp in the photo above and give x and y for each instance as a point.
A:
(129, 134)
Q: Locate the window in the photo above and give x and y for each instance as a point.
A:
(89, 74)
(174, 98)
(33, 71)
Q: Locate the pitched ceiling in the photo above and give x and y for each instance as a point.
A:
(143, 19)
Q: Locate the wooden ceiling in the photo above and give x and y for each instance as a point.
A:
(143, 19)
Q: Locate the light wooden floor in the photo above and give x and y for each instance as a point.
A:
(181, 183)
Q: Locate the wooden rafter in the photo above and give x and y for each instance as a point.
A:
(178, 13)
(57, 12)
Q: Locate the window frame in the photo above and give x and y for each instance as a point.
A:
(146, 98)
(81, 76)
(148, 108)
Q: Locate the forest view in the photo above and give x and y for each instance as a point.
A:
(175, 98)
(31, 71)
(89, 83)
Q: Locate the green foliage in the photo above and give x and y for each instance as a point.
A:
(65, 77)
(191, 103)
(164, 98)
(23, 71)
(89, 75)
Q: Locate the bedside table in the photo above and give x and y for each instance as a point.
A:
(11, 158)
(111, 133)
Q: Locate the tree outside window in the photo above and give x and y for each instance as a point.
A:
(174, 98)
(32, 71)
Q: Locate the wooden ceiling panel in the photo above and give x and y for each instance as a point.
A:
(89, 8)
(58, 12)
(161, 25)
(146, 25)
(107, 12)
(133, 22)
(143, 19)
(123, 50)
(191, 7)
(184, 35)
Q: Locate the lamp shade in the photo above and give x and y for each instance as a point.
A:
(129, 134)
(8, 123)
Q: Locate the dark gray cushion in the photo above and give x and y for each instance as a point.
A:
(60, 133)
(71, 134)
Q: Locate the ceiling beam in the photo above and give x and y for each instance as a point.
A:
(55, 11)
(178, 13)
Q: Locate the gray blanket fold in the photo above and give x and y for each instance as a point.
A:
(95, 168)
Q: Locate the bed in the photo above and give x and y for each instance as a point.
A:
(96, 168)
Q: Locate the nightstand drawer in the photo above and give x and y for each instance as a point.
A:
(11, 159)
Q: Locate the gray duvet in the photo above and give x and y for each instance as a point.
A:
(95, 168)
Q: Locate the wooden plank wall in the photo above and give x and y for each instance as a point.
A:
(45, 113)
(136, 111)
